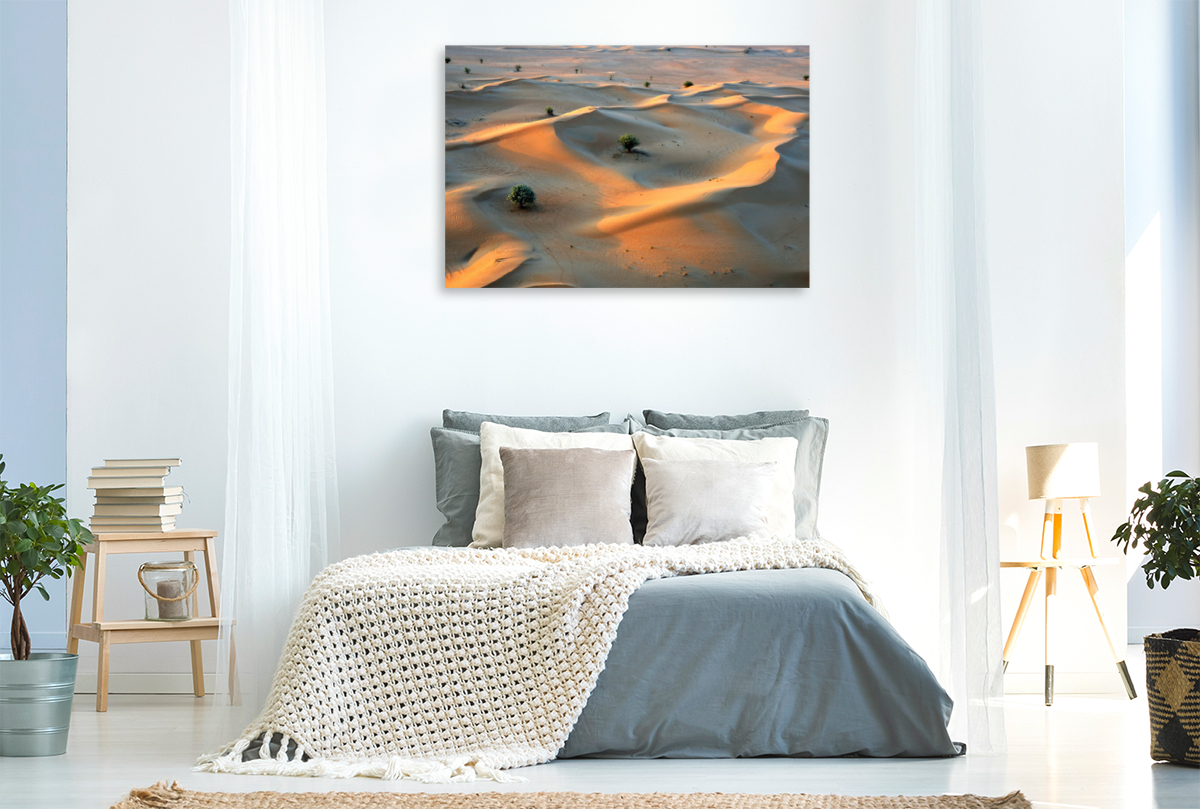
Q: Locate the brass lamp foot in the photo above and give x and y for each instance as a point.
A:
(1049, 685)
(1126, 679)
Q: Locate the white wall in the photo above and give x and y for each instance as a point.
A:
(1162, 240)
(404, 347)
(148, 247)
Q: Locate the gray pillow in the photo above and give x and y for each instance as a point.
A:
(456, 464)
(564, 497)
(690, 502)
(684, 421)
(463, 420)
(811, 433)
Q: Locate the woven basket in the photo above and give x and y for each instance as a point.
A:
(1173, 691)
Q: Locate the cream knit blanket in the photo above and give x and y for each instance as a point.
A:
(447, 666)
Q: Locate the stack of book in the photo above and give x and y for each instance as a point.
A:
(132, 496)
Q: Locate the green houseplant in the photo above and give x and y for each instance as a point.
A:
(1165, 521)
(37, 540)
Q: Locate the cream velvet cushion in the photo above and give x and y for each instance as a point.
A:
(488, 531)
(781, 515)
(566, 497)
(690, 502)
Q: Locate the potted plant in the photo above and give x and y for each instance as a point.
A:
(36, 688)
(1166, 522)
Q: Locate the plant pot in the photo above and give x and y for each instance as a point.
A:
(1173, 693)
(35, 703)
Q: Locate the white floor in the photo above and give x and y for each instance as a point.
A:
(1082, 752)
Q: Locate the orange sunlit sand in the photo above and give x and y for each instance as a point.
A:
(715, 193)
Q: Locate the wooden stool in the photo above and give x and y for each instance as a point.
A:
(106, 633)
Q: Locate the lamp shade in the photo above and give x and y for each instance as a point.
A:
(1063, 470)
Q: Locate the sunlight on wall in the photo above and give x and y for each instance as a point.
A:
(1143, 367)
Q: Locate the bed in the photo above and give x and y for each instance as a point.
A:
(756, 638)
(760, 663)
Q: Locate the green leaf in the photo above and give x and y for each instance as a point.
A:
(1166, 523)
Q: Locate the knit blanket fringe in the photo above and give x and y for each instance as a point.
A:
(441, 667)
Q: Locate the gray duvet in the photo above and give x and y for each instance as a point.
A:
(760, 663)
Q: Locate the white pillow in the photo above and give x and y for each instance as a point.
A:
(781, 516)
(691, 502)
(489, 514)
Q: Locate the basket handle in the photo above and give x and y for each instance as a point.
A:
(195, 582)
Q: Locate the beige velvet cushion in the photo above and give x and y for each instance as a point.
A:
(689, 502)
(566, 496)
(781, 515)
(488, 531)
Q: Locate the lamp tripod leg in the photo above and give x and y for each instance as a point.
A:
(1035, 576)
(1093, 588)
(1051, 603)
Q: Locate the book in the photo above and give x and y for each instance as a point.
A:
(133, 519)
(127, 462)
(132, 529)
(103, 498)
(149, 491)
(130, 471)
(134, 510)
(126, 482)
(143, 521)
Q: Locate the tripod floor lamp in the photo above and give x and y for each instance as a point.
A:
(1059, 472)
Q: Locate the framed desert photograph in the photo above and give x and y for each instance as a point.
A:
(627, 166)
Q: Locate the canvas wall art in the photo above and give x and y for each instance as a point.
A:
(671, 166)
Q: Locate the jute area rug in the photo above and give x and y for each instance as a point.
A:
(162, 796)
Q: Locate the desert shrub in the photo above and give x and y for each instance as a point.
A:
(481, 61)
(522, 196)
(687, 84)
(517, 68)
(806, 77)
(745, 50)
(630, 142)
(550, 111)
(645, 84)
(447, 60)
(610, 76)
(467, 69)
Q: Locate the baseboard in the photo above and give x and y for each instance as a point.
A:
(1065, 682)
(143, 683)
(1136, 633)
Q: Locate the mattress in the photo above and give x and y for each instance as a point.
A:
(760, 663)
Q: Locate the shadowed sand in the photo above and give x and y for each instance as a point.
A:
(716, 194)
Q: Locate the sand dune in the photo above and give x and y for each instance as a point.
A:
(716, 194)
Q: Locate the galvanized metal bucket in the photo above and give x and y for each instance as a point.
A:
(35, 703)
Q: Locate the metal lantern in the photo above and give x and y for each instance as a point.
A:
(169, 587)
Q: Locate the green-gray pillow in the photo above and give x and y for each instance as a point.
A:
(464, 420)
(810, 432)
(685, 421)
(456, 464)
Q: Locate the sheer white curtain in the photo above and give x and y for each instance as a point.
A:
(281, 508)
(957, 426)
